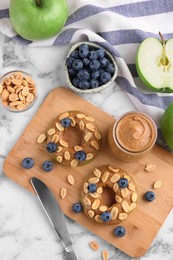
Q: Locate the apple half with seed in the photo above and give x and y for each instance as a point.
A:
(38, 19)
(154, 64)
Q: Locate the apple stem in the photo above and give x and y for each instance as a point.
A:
(164, 59)
(38, 2)
(162, 39)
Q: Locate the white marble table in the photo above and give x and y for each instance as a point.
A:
(25, 233)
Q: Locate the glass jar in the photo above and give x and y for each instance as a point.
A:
(18, 91)
(132, 136)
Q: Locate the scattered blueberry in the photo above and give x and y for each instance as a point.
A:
(110, 68)
(101, 53)
(66, 122)
(93, 55)
(92, 187)
(94, 65)
(77, 64)
(83, 74)
(47, 166)
(74, 54)
(95, 74)
(94, 83)
(83, 51)
(103, 62)
(51, 147)
(28, 163)
(86, 61)
(80, 156)
(105, 77)
(77, 207)
(69, 61)
(71, 71)
(149, 196)
(123, 183)
(119, 231)
(105, 216)
(84, 84)
(75, 82)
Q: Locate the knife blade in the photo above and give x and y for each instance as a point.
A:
(55, 216)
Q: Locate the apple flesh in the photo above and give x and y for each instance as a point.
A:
(166, 125)
(155, 69)
(38, 19)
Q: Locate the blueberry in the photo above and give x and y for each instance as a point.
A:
(75, 82)
(71, 71)
(105, 77)
(92, 187)
(77, 64)
(94, 65)
(83, 46)
(74, 54)
(103, 62)
(86, 61)
(77, 207)
(66, 122)
(47, 166)
(80, 156)
(84, 84)
(69, 61)
(28, 163)
(101, 53)
(123, 183)
(93, 55)
(95, 74)
(149, 196)
(51, 147)
(94, 83)
(83, 51)
(83, 74)
(119, 231)
(110, 68)
(105, 216)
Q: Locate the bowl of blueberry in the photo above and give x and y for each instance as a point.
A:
(89, 68)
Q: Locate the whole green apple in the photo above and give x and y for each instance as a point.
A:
(166, 125)
(154, 63)
(38, 19)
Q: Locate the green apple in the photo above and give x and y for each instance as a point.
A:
(154, 64)
(38, 19)
(166, 125)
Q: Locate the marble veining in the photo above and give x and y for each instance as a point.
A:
(25, 233)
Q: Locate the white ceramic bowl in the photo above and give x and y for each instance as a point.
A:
(94, 90)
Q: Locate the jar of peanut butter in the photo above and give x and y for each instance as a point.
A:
(132, 136)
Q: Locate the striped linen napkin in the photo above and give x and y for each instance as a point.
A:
(120, 26)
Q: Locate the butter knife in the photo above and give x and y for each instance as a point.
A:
(55, 216)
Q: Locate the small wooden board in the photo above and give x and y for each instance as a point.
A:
(143, 224)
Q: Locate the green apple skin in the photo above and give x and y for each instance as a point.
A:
(34, 22)
(147, 65)
(166, 125)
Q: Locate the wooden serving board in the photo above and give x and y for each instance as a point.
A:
(143, 223)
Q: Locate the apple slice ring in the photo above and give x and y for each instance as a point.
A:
(109, 195)
(75, 139)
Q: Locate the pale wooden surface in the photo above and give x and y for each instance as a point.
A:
(143, 224)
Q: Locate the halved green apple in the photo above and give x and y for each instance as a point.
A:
(154, 63)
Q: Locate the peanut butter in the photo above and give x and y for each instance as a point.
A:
(135, 132)
(132, 136)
